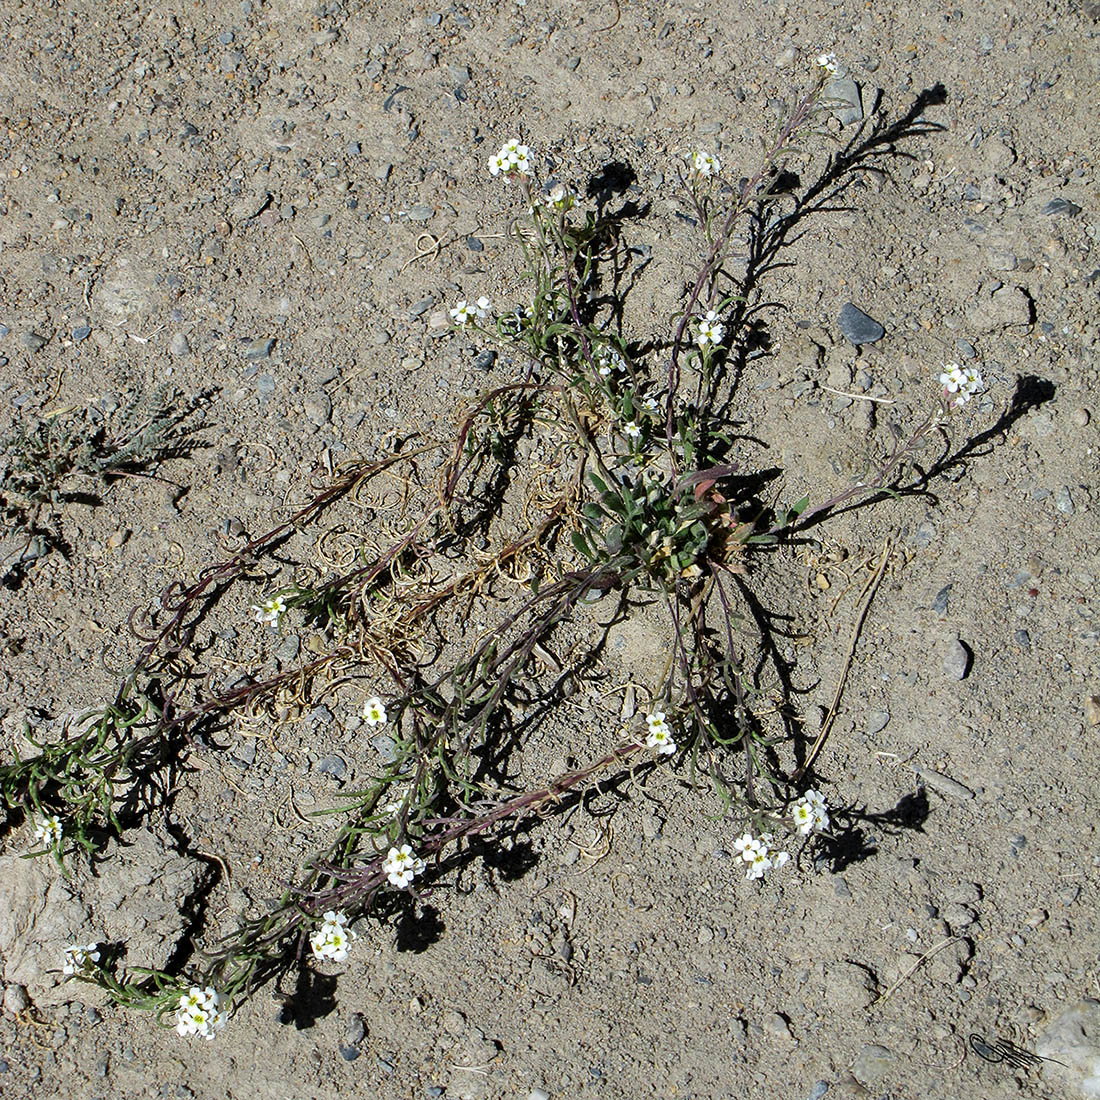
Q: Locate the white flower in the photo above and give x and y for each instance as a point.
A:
(964, 381)
(660, 734)
(332, 939)
(780, 859)
(482, 307)
(511, 160)
(48, 830)
(270, 611)
(79, 957)
(746, 846)
(651, 404)
(709, 330)
(803, 817)
(631, 430)
(706, 164)
(200, 1013)
(463, 313)
(402, 865)
(759, 864)
(810, 813)
(374, 711)
(828, 62)
(608, 360)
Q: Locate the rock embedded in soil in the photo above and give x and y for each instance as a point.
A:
(1072, 1042)
(179, 345)
(857, 327)
(332, 765)
(872, 1064)
(259, 349)
(957, 660)
(1006, 307)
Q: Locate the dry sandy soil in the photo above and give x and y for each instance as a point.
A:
(247, 198)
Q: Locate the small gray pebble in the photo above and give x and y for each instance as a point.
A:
(818, 1091)
(420, 213)
(244, 755)
(877, 720)
(844, 100)
(956, 663)
(1063, 501)
(320, 220)
(1061, 206)
(332, 765)
(857, 326)
(318, 408)
(474, 245)
(266, 383)
(1022, 639)
(484, 360)
(15, 999)
(33, 341)
(356, 1031)
(434, 1090)
(349, 1054)
(572, 63)
(777, 1026)
(418, 309)
(872, 1064)
(179, 345)
(81, 333)
(453, 1022)
(259, 349)
(538, 1094)
(959, 917)
(4, 330)
(939, 603)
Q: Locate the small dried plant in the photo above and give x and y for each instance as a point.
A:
(73, 454)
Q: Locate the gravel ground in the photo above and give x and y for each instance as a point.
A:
(275, 202)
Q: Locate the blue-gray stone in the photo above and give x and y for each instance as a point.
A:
(818, 1091)
(81, 332)
(1061, 206)
(472, 243)
(842, 95)
(333, 765)
(259, 349)
(939, 604)
(857, 326)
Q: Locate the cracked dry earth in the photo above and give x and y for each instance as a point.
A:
(277, 201)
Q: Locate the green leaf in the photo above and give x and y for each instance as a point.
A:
(581, 544)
